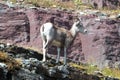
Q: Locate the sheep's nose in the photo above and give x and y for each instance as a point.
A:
(85, 31)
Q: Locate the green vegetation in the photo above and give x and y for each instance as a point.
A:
(88, 68)
(71, 5)
(111, 72)
(50, 3)
(91, 70)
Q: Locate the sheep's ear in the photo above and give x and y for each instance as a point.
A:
(80, 19)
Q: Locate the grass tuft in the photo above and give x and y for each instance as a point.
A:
(111, 72)
(11, 63)
(91, 69)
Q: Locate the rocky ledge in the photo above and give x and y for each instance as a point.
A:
(17, 63)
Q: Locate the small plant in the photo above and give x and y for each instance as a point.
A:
(77, 2)
(9, 61)
(78, 66)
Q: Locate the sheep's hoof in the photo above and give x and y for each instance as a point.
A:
(64, 69)
(43, 61)
(57, 62)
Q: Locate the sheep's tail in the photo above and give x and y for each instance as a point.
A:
(41, 30)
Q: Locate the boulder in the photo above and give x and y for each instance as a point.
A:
(3, 71)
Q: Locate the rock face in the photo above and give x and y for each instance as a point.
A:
(102, 42)
(111, 4)
(14, 27)
(101, 46)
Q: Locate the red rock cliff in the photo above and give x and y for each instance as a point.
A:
(21, 27)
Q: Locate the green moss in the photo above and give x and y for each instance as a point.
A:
(111, 72)
(72, 5)
(90, 69)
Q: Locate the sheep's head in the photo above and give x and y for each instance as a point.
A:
(78, 25)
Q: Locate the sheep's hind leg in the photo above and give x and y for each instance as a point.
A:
(45, 49)
(44, 52)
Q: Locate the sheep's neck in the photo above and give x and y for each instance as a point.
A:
(73, 32)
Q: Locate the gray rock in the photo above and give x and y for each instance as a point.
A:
(110, 78)
(3, 71)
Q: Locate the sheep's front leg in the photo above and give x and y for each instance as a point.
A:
(65, 55)
(58, 54)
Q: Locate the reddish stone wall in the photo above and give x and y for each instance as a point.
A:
(21, 27)
(14, 27)
(101, 46)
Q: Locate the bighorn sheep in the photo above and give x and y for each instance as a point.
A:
(59, 37)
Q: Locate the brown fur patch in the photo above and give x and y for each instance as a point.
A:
(66, 35)
(64, 31)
